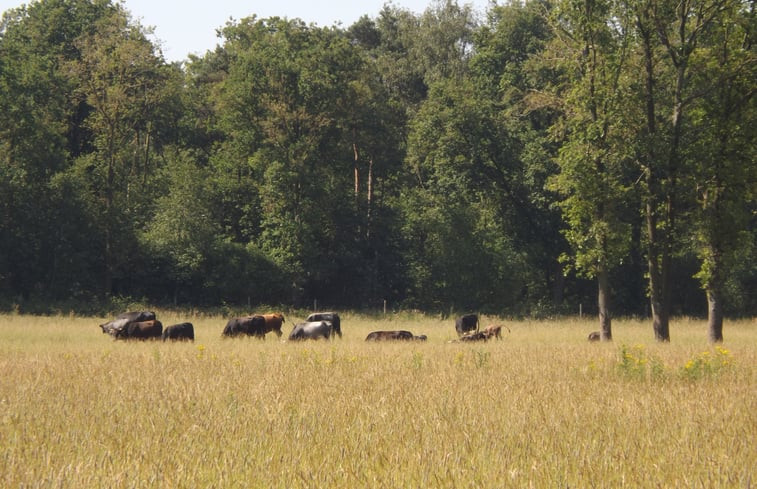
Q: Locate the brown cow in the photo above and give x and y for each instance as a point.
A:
(249, 325)
(495, 330)
(389, 335)
(141, 330)
(273, 323)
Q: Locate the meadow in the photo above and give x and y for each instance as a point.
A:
(541, 408)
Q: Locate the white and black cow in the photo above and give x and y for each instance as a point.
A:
(311, 330)
(332, 317)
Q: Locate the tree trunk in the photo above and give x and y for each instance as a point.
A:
(714, 314)
(370, 198)
(603, 303)
(109, 184)
(657, 281)
(658, 261)
(355, 171)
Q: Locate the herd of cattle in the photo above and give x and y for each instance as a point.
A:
(145, 325)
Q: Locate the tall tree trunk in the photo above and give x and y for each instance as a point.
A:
(658, 261)
(355, 171)
(109, 184)
(603, 303)
(370, 198)
(714, 314)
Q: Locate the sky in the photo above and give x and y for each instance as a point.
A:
(189, 26)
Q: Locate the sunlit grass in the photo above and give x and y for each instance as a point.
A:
(542, 408)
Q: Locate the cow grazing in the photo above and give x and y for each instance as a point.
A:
(477, 336)
(389, 336)
(117, 325)
(311, 330)
(249, 325)
(422, 337)
(179, 332)
(332, 317)
(273, 323)
(466, 323)
(141, 330)
(595, 336)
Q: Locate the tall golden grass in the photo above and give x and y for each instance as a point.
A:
(542, 408)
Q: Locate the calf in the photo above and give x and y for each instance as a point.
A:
(179, 332)
(595, 336)
(389, 336)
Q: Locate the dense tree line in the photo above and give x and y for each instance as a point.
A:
(599, 152)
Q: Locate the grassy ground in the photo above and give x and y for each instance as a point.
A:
(542, 408)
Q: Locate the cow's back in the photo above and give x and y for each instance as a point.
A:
(137, 316)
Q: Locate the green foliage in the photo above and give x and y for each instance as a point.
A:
(638, 364)
(424, 159)
(707, 364)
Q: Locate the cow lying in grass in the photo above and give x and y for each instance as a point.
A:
(394, 336)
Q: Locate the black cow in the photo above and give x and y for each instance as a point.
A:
(117, 325)
(466, 323)
(389, 336)
(422, 337)
(181, 331)
(332, 317)
(477, 336)
(311, 330)
(141, 330)
(250, 326)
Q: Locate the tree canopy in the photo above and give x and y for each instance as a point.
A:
(514, 161)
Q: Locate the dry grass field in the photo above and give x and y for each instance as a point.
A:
(541, 408)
